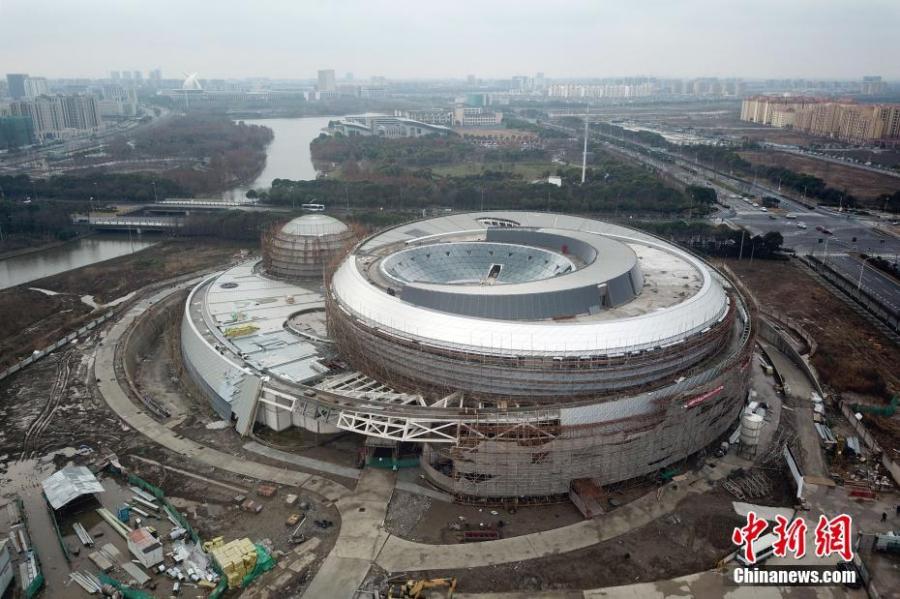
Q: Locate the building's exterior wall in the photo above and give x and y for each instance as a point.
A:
(293, 257)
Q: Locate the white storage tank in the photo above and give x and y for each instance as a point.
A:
(751, 428)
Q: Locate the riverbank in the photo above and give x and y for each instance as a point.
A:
(33, 249)
(39, 312)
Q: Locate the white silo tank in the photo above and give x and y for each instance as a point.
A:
(751, 428)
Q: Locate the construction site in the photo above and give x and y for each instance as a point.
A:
(516, 356)
(460, 405)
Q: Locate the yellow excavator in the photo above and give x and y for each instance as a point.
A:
(416, 589)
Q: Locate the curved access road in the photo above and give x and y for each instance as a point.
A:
(362, 539)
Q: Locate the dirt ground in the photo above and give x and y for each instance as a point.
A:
(425, 520)
(852, 355)
(693, 537)
(34, 320)
(861, 183)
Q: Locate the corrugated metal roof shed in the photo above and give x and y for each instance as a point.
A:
(70, 483)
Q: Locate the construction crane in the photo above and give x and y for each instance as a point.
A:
(415, 589)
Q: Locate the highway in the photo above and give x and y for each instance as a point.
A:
(804, 231)
(867, 278)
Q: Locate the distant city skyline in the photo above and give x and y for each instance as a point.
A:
(402, 39)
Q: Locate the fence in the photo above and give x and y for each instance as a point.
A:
(37, 355)
(870, 442)
(874, 304)
(38, 583)
(158, 493)
(770, 330)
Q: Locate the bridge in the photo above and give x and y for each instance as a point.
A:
(132, 223)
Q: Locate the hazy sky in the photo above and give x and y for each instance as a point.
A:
(426, 38)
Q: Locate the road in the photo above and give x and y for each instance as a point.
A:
(803, 228)
(868, 278)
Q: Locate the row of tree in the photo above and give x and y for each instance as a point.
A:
(725, 158)
(230, 153)
(630, 191)
(717, 240)
(103, 187)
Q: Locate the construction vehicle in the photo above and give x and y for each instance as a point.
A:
(415, 589)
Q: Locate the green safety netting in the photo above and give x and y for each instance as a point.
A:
(127, 592)
(158, 493)
(391, 463)
(35, 587)
(264, 563)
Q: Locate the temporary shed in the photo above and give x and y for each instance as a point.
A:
(68, 484)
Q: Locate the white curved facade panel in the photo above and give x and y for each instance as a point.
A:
(378, 309)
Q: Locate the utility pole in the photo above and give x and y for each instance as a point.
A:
(584, 154)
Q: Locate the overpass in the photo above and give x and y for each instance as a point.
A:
(130, 223)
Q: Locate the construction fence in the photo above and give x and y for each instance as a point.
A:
(872, 303)
(38, 354)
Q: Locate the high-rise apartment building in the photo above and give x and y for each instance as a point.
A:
(58, 116)
(15, 83)
(846, 121)
(115, 75)
(327, 80)
(36, 86)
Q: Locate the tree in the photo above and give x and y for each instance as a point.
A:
(702, 195)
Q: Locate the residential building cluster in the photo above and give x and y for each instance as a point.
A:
(610, 90)
(58, 116)
(823, 117)
(642, 88)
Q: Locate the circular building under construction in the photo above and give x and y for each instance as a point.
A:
(521, 351)
(301, 248)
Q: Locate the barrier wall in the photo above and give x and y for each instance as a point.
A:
(870, 302)
(870, 442)
(37, 355)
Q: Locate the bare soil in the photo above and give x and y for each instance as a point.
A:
(693, 537)
(33, 320)
(858, 182)
(852, 355)
(120, 276)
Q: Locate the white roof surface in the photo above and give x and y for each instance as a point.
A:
(68, 484)
(315, 225)
(662, 326)
(241, 296)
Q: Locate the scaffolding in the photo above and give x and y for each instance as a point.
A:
(495, 446)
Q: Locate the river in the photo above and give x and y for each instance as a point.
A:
(287, 157)
(82, 252)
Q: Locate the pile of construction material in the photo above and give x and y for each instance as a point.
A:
(236, 559)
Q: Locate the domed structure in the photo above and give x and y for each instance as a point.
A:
(302, 247)
(192, 83)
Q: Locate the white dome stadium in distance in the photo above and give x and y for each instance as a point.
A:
(302, 247)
